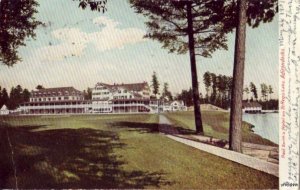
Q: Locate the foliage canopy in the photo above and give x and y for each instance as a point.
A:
(17, 22)
(212, 19)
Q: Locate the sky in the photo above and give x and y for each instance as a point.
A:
(80, 48)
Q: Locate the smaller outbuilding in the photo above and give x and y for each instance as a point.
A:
(170, 106)
(252, 107)
(178, 106)
(4, 110)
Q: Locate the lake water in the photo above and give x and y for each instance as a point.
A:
(266, 125)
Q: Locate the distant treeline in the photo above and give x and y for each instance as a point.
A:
(269, 105)
(218, 92)
(16, 96)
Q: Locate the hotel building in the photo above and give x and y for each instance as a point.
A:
(106, 98)
(64, 100)
(122, 98)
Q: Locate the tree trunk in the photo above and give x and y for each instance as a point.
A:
(197, 113)
(235, 135)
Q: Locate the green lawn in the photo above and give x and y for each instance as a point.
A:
(216, 124)
(111, 151)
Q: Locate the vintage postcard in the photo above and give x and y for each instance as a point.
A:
(149, 94)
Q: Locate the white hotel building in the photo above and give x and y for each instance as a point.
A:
(120, 98)
(64, 100)
(106, 98)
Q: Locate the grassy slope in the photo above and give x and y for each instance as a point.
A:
(113, 151)
(216, 124)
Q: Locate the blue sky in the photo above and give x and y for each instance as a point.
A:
(80, 48)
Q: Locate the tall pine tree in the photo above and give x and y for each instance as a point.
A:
(155, 84)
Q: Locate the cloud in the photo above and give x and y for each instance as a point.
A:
(73, 41)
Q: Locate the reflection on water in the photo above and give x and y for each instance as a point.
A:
(266, 125)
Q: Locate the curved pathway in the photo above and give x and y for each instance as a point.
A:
(243, 159)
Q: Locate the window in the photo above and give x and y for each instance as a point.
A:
(66, 98)
(59, 98)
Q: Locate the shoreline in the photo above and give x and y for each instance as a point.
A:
(264, 125)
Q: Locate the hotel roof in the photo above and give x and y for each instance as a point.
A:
(61, 91)
(129, 87)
